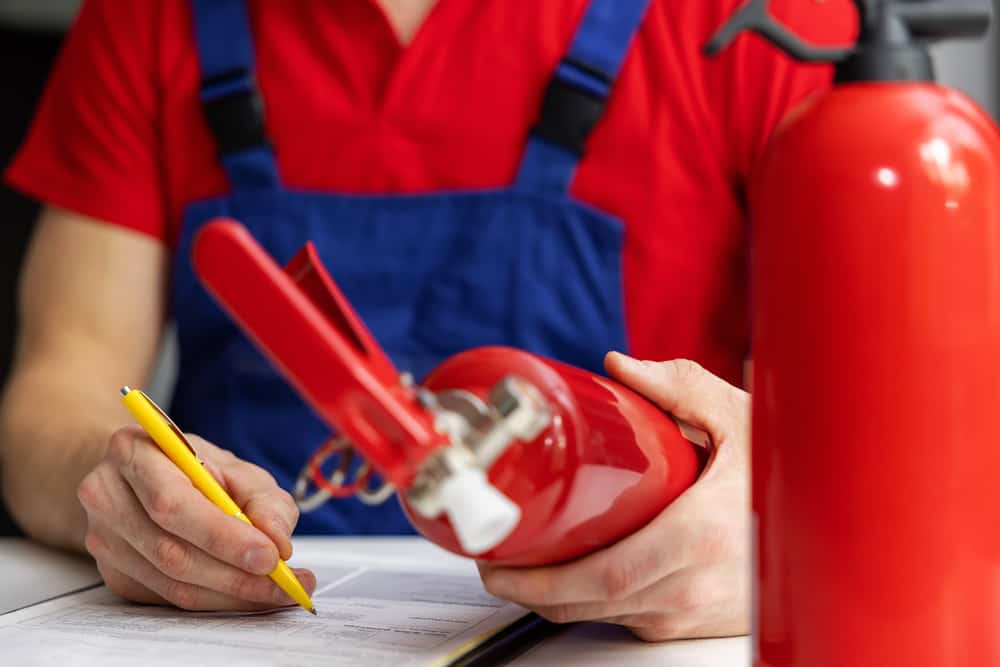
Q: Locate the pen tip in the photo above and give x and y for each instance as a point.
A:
(126, 390)
(312, 610)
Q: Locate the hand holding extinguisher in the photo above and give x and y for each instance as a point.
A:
(497, 454)
(519, 460)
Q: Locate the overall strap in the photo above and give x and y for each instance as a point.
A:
(229, 96)
(577, 94)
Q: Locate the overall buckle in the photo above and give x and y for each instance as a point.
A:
(570, 107)
(234, 110)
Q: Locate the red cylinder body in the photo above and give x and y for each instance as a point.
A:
(876, 402)
(609, 462)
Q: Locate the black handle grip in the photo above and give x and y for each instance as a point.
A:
(754, 17)
(882, 21)
(956, 19)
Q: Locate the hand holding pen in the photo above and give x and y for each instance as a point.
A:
(159, 540)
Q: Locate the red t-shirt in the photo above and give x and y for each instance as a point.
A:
(120, 135)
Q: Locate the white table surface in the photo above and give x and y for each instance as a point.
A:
(30, 573)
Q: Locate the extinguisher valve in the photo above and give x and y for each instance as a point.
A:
(454, 479)
(480, 515)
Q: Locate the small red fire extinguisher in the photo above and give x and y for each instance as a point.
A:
(875, 218)
(498, 454)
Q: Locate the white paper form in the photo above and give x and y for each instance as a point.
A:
(369, 614)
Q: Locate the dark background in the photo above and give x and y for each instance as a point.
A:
(27, 58)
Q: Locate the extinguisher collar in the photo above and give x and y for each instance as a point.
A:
(885, 62)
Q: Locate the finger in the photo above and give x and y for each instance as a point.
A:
(612, 574)
(171, 501)
(175, 557)
(685, 390)
(668, 627)
(271, 509)
(654, 627)
(698, 602)
(691, 596)
(126, 587)
(259, 509)
(113, 549)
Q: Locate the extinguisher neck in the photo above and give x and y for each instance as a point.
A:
(885, 62)
(886, 49)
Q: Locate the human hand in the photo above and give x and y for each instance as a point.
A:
(158, 540)
(686, 573)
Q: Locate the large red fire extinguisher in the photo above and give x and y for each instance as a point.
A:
(498, 454)
(875, 219)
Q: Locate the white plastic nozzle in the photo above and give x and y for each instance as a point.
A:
(481, 516)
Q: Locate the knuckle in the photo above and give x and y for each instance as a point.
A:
(501, 585)
(95, 544)
(489, 582)
(121, 446)
(163, 506)
(237, 586)
(560, 613)
(739, 408)
(620, 579)
(687, 369)
(117, 586)
(293, 508)
(224, 456)
(258, 475)
(171, 557)
(246, 587)
(89, 492)
(691, 598)
(663, 628)
(116, 582)
(215, 540)
(184, 596)
(266, 477)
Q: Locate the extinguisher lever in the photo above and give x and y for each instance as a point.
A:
(941, 19)
(306, 271)
(885, 22)
(755, 17)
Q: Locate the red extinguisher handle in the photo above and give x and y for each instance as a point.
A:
(300, 319)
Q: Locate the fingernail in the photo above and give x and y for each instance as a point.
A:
(259, 560)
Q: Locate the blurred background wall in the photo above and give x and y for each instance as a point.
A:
(30, 34)
(974, 67)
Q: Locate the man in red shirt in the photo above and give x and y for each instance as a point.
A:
(406, 138)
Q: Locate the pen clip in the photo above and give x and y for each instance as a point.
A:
(171, 424)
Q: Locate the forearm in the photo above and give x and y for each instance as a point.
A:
(54, 428)
(91, 309)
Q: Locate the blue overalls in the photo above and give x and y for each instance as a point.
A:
(430, 274)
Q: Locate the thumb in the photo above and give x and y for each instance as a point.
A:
(685, 390)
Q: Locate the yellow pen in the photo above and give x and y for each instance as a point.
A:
(171, 440)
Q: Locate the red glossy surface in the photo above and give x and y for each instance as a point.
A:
(876, 276)
(610, 462)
